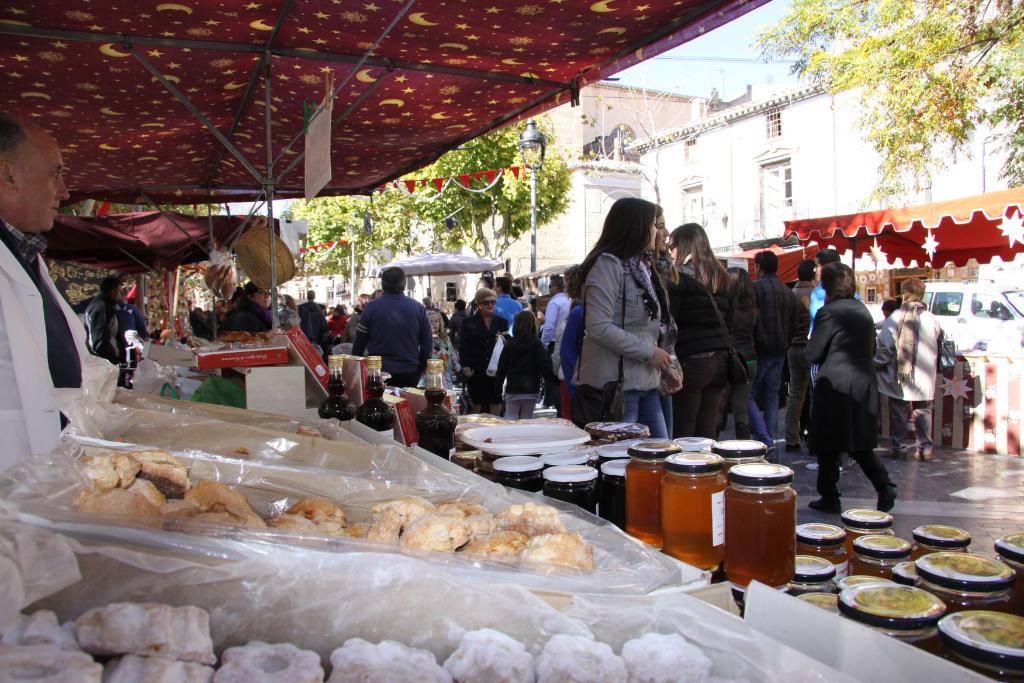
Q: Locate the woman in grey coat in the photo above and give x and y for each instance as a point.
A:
(626, 312)
(907, 364)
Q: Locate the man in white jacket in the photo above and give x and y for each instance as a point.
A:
(42, 342)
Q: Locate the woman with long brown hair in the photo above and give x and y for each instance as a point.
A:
(702, 304)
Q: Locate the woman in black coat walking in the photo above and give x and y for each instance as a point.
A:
(844, 407)
(476, 344)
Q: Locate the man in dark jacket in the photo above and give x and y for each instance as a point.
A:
(314, 322)
(395, 328)
(777, 306)
(455, 322)
(101, 321)
(799, 368)
(249, 312)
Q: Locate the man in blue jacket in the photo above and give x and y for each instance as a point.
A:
(506, 307)
(396, 328)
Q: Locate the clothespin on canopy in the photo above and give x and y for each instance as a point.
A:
(309, 109)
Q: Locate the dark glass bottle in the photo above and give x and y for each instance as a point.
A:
(435, 423)
(336, 404)
(375, 413)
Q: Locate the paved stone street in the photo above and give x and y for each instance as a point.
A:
(979, 492)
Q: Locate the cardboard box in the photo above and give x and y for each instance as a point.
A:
(853, 649)
(280, 390)
(242, 358)
(168, 355)
(404, 430)
(309, 358)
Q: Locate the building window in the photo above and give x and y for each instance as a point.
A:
(690, 150)
(776, 197)
(693, 204)
(773, 124)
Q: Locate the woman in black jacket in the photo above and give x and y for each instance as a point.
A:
(248, 314)
(704, 339)
(476, 344)
(525, 363)
(844, 404)
(747, 337)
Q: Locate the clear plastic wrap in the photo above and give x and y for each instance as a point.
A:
(47, 487)
(318, 600)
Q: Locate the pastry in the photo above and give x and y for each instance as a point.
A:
(180, 508)
(531, 519)
(40, 628)
(356, 530)
(116, 470)
(358, 661)
(481, 525)
(488, 656)
(407, 509)
(579, 659)
(288, 522)
(123, 502)
(459, 508)
(258, 662)
(147, 490)
(309, 431)
(147, 629)
(319, 510)
(501, 545)
(657, 658)
(386, 527)
(46, 664)
(211, 496)
(136, 669)
(227, 518)
(564, 550)
(439, 533)
(165, 471)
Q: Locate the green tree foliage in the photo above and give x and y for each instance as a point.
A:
(485, 222)
(928, 72)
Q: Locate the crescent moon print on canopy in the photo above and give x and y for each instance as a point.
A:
(108, 50)
(365, 76)
(110, 112)
(439, 116)
(417, 18)
(173, 7)
(393, 102)
(617, 30)
(260, 26)
(233, 86)
(603, 7)
(35, 94)
(455, 46)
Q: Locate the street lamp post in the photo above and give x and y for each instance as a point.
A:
(532, 145)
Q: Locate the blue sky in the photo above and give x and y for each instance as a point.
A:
(722, 59)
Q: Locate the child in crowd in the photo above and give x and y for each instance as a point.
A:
(524, 363)
(442, 348)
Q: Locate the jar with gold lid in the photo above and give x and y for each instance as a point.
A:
(812, 575)
(877, 555)
(903, 612)
(739, 452)
(644, 472)
(825, 541)
(991, 643)
(905, 573)
(693, 509)
(935, 538)
(855, 580)
(965, 581)
(1011, 551)
(826, 601)
(865, 522)
(760, 525)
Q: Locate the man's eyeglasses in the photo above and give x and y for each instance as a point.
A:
(487, 303)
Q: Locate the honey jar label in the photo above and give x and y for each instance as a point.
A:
(718, 518)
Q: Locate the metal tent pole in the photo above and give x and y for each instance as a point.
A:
(268, 188)
(213, 309)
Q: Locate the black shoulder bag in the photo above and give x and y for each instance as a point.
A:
(604, 403)
(735, 366)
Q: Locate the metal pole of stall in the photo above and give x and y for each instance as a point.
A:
(268, 187)
(213, 308)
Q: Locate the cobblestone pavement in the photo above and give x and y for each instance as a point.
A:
(979, 492)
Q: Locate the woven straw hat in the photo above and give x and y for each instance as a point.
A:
(253, 250)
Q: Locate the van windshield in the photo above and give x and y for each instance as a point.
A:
(1016, 299)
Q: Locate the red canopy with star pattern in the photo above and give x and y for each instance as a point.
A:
(415, 78)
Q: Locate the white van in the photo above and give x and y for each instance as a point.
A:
(978, 315)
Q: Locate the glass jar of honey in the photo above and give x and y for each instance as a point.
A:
(812, 575)
(877, 555)
(935, 538)
(864, 522)
(611, 502)
(826, 601)
(694, 444)
(825, 541)
(576, 484)
(991, 643)
(1011, 551)
(904, 612)
(855, 580)
(760, 525)
(905, 573)
(965, 581)
(739, 452)
(521, 472)
(693, 509)
(643, 489)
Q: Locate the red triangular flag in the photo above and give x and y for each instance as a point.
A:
(423, 183)
(491, 175)
(410, 186)
(465, 179)
(438, 183)
(515, 171)
(479, 174)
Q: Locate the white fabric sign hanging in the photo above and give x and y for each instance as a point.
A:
(318, 150)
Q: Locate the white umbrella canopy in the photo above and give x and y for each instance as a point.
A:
(443, 264)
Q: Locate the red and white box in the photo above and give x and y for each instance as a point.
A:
(354, 375)
(417, 399)
(242, 358)
(405, 420)
(308, 356)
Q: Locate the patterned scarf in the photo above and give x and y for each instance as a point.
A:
(640, 268)
(907, 339)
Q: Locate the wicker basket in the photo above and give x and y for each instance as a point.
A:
(253, 250)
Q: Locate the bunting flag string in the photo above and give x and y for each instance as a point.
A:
(463, 180)
(328, 246)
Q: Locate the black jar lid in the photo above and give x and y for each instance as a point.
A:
(653, 450)
(815, 533)
(882, 547)
(1011, 547)
(964, 571)
(734, 449)
(760, 474)
(942, 536)
(863, 518)
(693, 463)
(993, 638)
(891, 606)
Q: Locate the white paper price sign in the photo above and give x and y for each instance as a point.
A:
(318, 150)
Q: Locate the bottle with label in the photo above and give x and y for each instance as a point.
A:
(435, 423)
(336, 404)
(375, 413)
